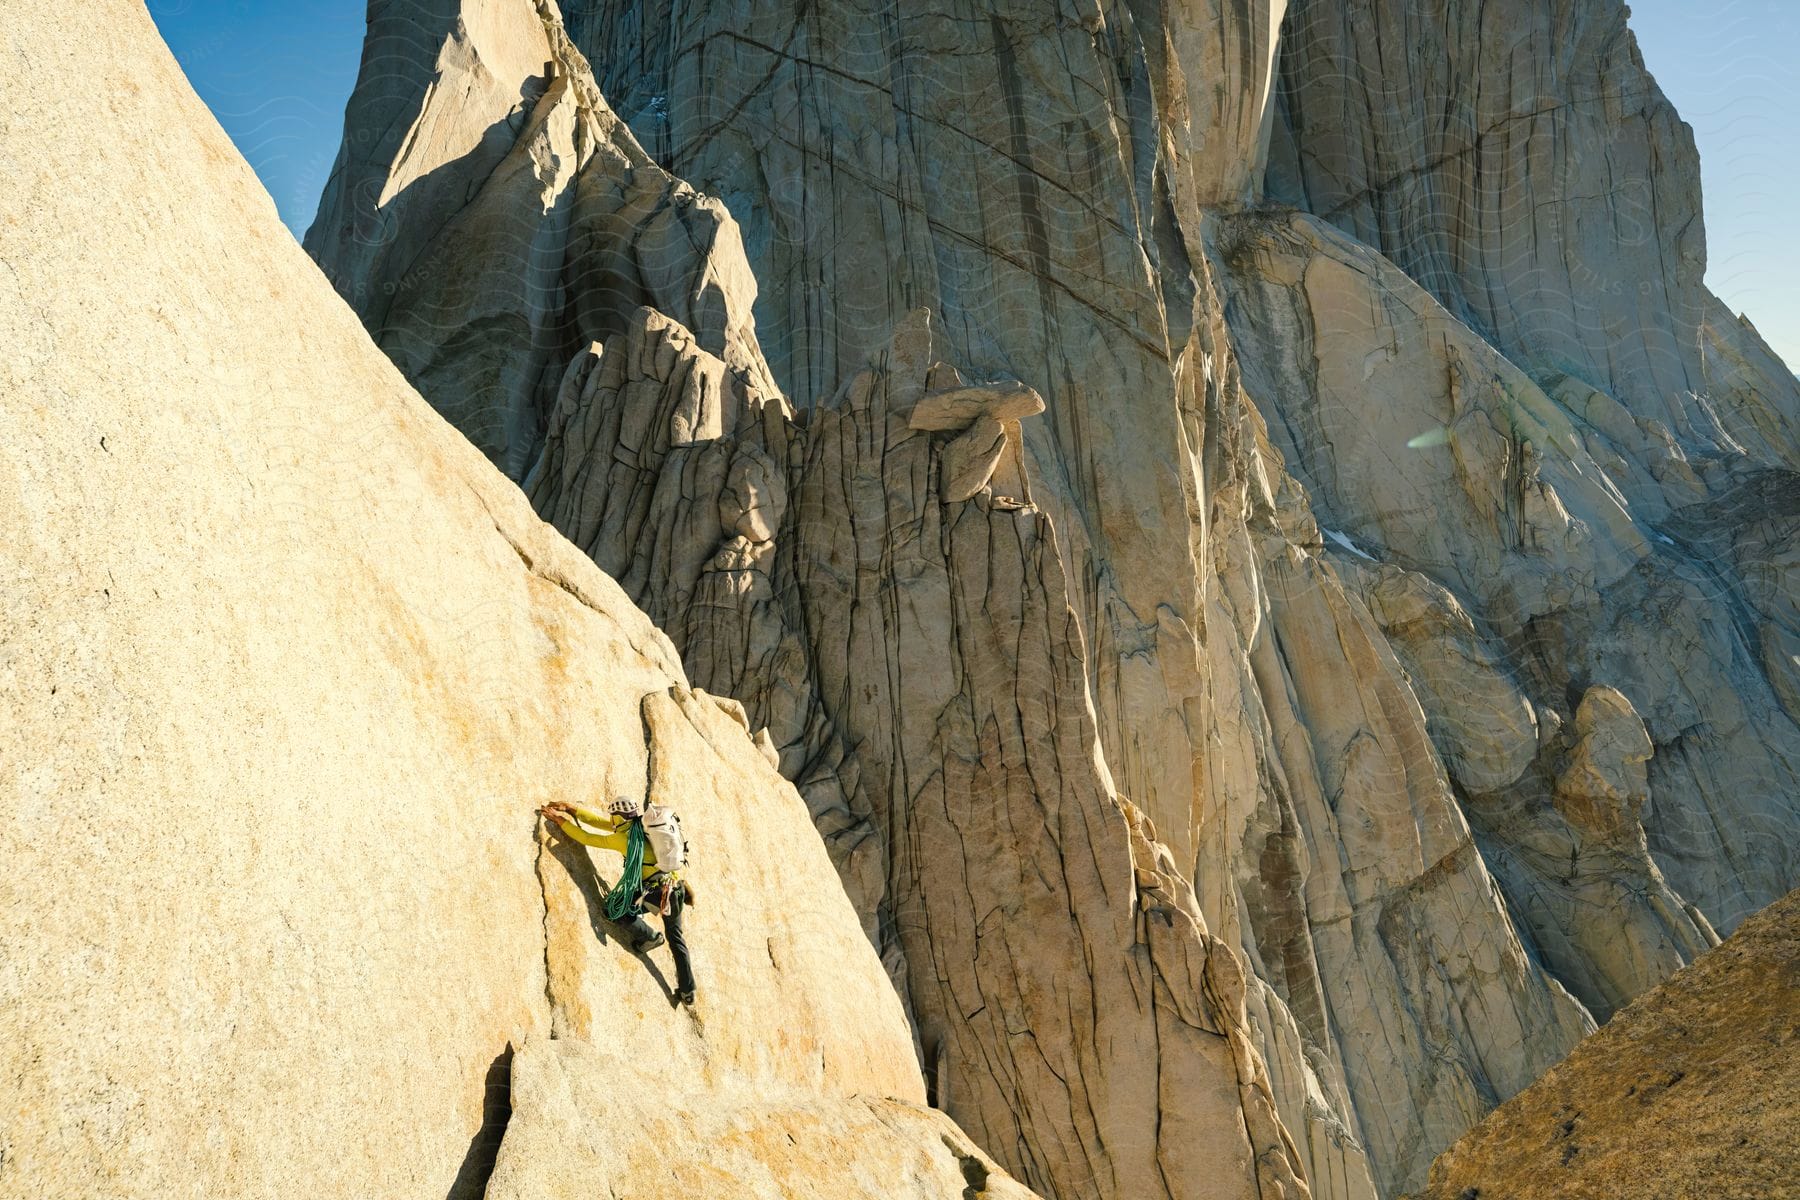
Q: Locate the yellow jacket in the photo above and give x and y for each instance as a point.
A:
(609, 833)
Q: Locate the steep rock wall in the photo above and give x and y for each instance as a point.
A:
(824, 568)
(688, 483)
(285, 668)
(1501, 502)
(1525, 170)
(477, 131)
(1064, 187)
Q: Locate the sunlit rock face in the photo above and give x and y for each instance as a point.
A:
(1526, 171)
(286, 668)
(1453, 666)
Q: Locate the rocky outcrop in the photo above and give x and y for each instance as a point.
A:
(966, 808)
(1342, 675)
(1692, 1091)
(1525, 170)
(1576, 869)
(1368, 907)
(1003, 830)
(1502, 502)
(477, 220)
(574, 1134)
(285, 668)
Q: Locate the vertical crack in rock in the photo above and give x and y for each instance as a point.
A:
(484, 1148)
(543, 844)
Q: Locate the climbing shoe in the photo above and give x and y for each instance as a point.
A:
(647, 943)
(687, 997)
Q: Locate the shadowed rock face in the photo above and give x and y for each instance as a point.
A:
(285, 668)
(1693, 1090)
(1439, 667)
(1526, 537)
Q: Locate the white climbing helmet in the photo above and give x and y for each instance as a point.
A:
(624, 806)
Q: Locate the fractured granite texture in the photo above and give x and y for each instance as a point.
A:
(1451, 661)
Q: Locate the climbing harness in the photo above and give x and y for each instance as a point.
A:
(661, 889)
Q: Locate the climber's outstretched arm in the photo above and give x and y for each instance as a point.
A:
(574, 821)
(605, 822)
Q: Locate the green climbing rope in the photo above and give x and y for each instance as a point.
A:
(622, 901)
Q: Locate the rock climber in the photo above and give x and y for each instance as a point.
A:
(654, 831)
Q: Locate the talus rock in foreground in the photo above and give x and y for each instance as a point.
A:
(1691, 1093)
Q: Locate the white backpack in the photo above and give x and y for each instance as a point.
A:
(662, 828)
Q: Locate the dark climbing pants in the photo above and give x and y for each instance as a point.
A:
(641, 930)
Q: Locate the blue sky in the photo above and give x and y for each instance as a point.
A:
(277, 73)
